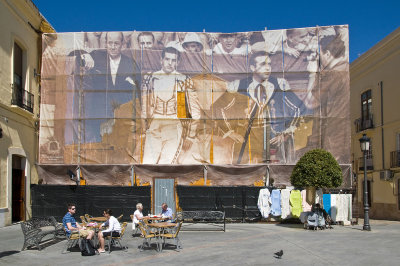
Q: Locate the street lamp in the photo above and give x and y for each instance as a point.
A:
(364, 143)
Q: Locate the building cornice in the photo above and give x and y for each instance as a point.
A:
(379, 51)
(26, 11)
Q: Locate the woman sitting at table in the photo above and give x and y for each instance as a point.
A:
(137, 216)
(114, 229)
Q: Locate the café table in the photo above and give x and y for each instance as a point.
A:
(100, 219)
(161, 226)
(153, 218)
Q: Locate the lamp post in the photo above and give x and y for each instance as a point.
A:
(364, 143)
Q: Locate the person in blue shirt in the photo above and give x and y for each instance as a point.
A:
(166, 212)
(71, 225)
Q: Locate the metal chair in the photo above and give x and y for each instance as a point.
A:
(72, 240)
(117, 239)
(83, 220)
(173, 235)
(146, 235)
(134, 226)
(88, 218)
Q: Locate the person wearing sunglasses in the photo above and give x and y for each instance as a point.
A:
(71, 225)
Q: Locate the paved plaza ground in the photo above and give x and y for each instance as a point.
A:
(241, 244)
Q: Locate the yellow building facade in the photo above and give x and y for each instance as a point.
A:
(375, 101)
(20, 52)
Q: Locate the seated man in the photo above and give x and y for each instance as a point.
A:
(114, 229)
(166, 212)
(71, 225)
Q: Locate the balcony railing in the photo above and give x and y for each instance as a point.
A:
(22, 98)
(394, 159)
(370, 163)
(361, 124)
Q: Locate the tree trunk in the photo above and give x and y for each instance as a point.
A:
(310, 195)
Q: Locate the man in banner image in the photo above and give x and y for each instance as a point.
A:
(110, 81)
(228, 44)
(146, 40)
(273, 115)
(171, 110)
(192, 43)
(335, 97)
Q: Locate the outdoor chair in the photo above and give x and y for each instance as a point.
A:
(83, 220)
(134, 226)
(173, 235)
(72, 240)
(146, 226)
(88, 218)
(146, 235)
(112, 240)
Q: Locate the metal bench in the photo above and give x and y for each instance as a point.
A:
(37, 228)
(216, 219)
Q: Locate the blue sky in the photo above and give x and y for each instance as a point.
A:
(369, 21)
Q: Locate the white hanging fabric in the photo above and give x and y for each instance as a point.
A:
(334, 207)
(264, 202)
(350, 209)
(285, 203)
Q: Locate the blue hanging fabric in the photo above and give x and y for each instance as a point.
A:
(327, 203)
(276, 202)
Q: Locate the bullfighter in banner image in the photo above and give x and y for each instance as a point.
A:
(167, 96)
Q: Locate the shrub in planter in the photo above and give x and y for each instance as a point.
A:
(318, 169)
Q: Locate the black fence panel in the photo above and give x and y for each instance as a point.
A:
(238, 202)
(51, 200)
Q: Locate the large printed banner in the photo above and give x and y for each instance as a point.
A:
(116, 98)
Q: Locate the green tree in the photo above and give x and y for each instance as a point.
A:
(317, 168)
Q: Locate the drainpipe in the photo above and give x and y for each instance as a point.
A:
(382, 130)
(133, 183)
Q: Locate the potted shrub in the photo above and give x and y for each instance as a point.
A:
(316, 169)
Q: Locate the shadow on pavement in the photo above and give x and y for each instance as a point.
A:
(8, 253)
(46, 243)
(291, 225)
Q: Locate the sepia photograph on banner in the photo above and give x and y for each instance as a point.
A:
(186, 98)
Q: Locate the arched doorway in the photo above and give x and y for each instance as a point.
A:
(18, 188)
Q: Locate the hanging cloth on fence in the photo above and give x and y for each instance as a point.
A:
(350, 200)
(276, 202)
(295, 203)
(285, 196)
(327, 203)
(304, 203)
(334, 207)
(264, 202)
(341, 208)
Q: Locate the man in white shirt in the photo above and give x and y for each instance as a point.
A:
(114, 229)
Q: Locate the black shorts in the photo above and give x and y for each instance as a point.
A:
(114, 234)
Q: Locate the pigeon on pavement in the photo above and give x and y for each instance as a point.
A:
(279, 254)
